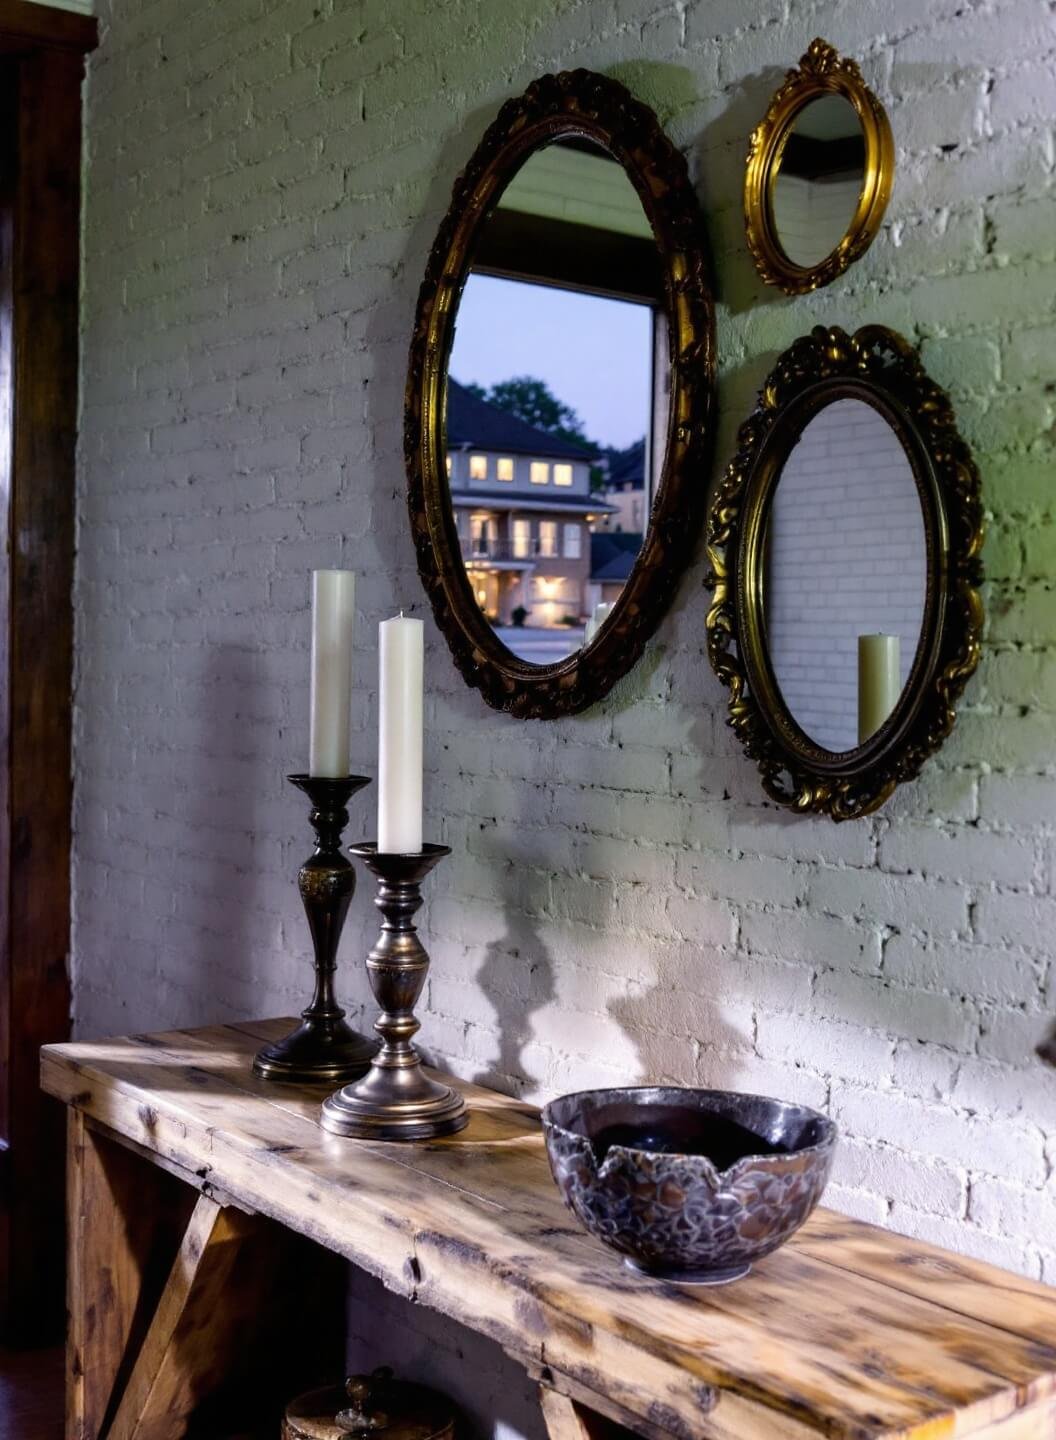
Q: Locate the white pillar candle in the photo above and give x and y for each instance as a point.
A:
(596, 621)
(401, 675)
(333, 620)
(879, 682)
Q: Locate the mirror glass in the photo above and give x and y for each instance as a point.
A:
(845, 575)
(819, 180)
(556, 411)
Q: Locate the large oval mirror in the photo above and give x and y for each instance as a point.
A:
(819, 173)
(844, 545)
(559, 396)
(845, 577)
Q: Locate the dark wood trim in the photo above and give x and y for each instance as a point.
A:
(584, 258)
(29, 26)
(9, 75)
(40, 328)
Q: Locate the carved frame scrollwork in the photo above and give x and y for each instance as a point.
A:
(879, 367)
(821, 72)
(584, 105)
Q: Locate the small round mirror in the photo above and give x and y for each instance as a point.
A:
(845, 579)
(818, 180)
(819, 174)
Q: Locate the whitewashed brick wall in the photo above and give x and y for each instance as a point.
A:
(264, 178)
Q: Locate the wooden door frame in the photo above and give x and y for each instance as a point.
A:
(42, 62)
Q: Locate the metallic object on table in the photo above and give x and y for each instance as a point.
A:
(690, 1186)
(396, 1100)
(370, 1405)
(323, 1046)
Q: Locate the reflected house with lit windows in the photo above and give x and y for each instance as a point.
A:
(523, 508)
(624, 488)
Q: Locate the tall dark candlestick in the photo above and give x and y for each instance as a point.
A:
(323, 1046)
(396, 1100)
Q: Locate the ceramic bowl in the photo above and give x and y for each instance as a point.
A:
(689, 1185)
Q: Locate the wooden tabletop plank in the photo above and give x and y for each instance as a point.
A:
(835, 1334)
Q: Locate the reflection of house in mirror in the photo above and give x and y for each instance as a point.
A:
(523, 510)
(624, 489)
(612, 557)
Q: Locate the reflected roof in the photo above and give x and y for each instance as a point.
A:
(474, 422)
(612, 556)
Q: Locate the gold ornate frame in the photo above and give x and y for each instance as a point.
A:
(821, 72)
(879, 367)
(582, 104)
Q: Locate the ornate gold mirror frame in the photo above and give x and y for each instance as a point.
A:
(821, 72)
(880, 368)
(573, 104)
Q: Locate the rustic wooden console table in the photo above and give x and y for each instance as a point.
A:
(849, 1332)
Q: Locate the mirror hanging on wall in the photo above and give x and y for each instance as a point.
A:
(846, 575)
(557, 429)
(819, 180)
(819, 174)
(844, 545)
(557, 400)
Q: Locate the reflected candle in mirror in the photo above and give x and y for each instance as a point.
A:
(596, 621)
(333, 619)
(401, 674)
(879, 682)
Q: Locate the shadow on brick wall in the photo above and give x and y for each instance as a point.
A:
(517, 979)
(718, 158)
(226, 908)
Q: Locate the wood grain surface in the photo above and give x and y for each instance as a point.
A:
(848, 1332)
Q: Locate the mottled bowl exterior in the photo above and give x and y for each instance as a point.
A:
(682, 1216)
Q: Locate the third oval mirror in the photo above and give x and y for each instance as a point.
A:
(844, 545)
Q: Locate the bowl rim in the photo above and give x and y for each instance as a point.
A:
(826, 1143)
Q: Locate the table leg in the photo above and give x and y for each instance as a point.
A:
(115, 1210)
(187, 1348)
(148, 1333)
(567, 1419)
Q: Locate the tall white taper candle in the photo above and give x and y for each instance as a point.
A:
(879, 682)
(333, 620)
(401, 676)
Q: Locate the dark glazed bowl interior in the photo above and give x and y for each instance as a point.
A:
(690, 1185)
(719, 1125)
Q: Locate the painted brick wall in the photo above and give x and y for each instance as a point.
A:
(264, 178)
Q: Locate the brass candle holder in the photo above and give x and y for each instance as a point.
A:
(396, 1100)
(323, 1046)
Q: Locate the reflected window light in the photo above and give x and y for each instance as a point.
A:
(478, 467)
(573, 543)
(548, 538)
(504, 467)
(540, 472)
(562, 474)
(522, 539)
